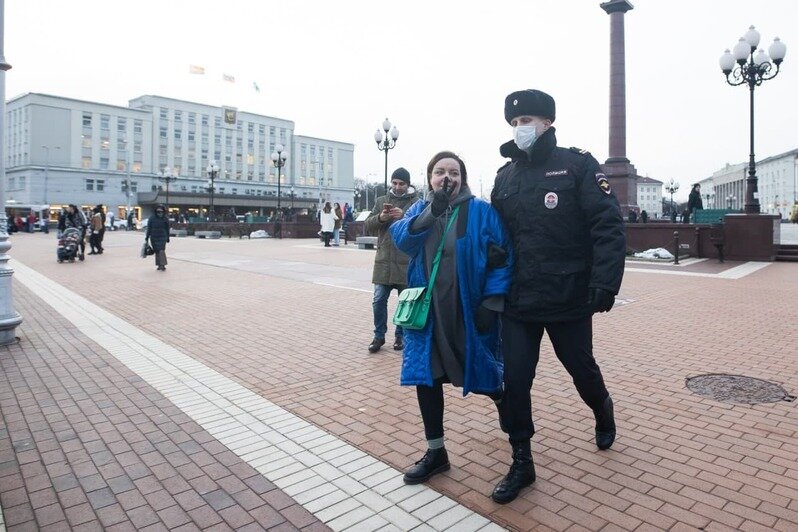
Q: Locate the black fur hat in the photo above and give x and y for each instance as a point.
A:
(528, 102)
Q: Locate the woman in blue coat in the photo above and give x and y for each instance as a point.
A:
(460, 342)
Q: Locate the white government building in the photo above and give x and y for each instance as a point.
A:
(62, 150)
(777, 183)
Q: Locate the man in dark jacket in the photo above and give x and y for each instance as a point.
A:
(694, 202)
(568, 235)
(158, 236)
(390, 264)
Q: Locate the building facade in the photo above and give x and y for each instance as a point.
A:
(649, 196)
(62, 150)
(777, 184)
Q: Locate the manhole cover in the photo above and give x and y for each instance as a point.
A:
(737, 389)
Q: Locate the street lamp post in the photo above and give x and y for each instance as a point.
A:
(752, 69)
(386, 142)
(213, 171)
(278, 158)
(292, 199)
(730, 199)
(47, 168)
(671, 187)
(167, 175)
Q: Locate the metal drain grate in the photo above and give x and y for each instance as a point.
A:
(737, 389)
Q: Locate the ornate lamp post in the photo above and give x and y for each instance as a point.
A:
(167, 175)
(386, 142)
(213, 171)
(671, 187)
(9, 318)
(278, 158)
(752, 69)
(730, 199)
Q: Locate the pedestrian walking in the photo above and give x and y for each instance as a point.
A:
(568, 236)
(339, 220)
(158, 236)
(390, 264)
(694, 202)
(74, 217)
(460, 252)
(95, 223)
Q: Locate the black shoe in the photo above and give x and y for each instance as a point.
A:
(605, 425)
(521, 475)
(91, 253)
(434, 461)
(81, 257)
(398, 343)
(375, 344)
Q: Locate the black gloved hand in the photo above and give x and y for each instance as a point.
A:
(600, 300)
(440, 202)
(440, 199)
(484, 319)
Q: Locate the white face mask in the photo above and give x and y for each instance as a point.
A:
(525, 136)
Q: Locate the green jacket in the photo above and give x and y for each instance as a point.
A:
(390, 264)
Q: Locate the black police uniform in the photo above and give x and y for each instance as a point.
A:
(568, 235)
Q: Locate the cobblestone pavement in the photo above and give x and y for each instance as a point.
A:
(86, 441)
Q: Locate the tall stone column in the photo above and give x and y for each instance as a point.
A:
(620, 172)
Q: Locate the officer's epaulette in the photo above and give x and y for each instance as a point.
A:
(580, 151)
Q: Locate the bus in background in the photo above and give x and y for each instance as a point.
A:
(18, 213)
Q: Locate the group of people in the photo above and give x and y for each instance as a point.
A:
(332, 219)
(93, 227)
(544, 256)
(24, 224)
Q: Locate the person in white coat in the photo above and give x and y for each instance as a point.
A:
(328, 219)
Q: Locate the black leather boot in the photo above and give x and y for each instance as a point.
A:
(398, 343)
(605, 425)
(434, 461)
(521, 475)
(376, 344)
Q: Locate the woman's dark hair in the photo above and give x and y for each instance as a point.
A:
(446, 155)
(327, 207)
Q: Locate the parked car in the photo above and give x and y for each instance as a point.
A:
(118, 224)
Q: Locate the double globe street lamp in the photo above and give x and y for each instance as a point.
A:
(386, 142)
(672, 187)
(278, 158)
(213, 171)
(167, 176)
(752, 69)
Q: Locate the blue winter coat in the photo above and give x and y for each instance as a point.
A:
(483, 369)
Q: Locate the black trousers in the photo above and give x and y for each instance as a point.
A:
(430, 402)
(573, 345)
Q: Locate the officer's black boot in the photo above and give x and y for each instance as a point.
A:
(433, 462)
(605, 424)
(521, 475)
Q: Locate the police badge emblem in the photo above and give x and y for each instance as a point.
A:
(603, 183)
(551, 200)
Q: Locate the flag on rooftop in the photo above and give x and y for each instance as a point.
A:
(255, 86)
(194, 69)
(228, 78)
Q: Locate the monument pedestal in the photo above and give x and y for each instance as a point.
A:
(622, 176)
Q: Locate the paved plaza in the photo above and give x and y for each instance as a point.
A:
(235, 391)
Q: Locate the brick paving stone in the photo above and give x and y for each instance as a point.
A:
(672, 445)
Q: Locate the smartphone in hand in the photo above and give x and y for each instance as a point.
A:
(387, 207)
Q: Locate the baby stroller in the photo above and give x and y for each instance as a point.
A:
(68, 245)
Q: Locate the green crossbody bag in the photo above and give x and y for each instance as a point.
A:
(413, 307)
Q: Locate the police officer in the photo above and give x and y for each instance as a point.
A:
(568, 234)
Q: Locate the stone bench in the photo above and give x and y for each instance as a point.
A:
(178, 232)
(366, 242)
(208, 234)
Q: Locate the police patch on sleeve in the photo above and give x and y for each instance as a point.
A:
(603, 183)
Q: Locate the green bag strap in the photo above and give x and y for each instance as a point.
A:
(437, 259)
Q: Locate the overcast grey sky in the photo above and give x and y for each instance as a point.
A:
(438, 69)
